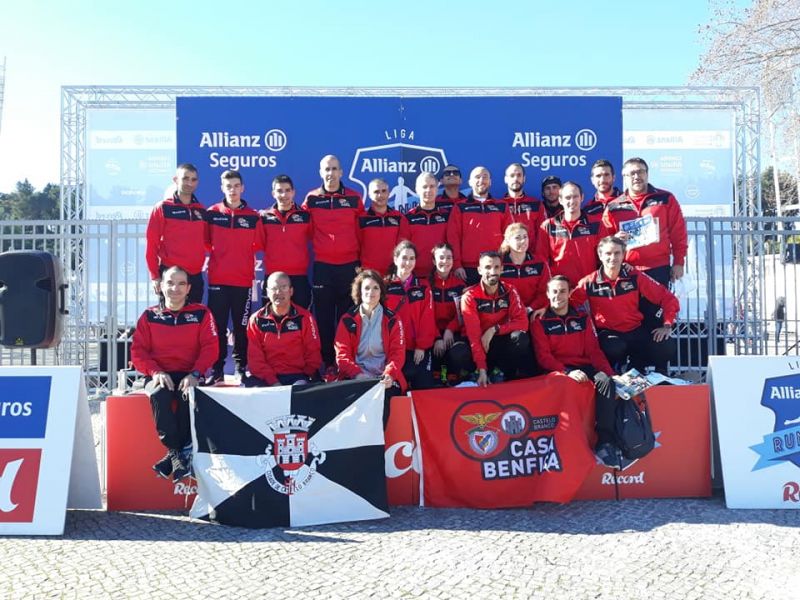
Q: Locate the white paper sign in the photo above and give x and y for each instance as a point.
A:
(641, 232)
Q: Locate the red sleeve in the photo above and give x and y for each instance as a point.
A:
(259, 243)
(678, 238)
(426, 334)
(454, 235)
(609, 223)
(209, 346)
(596, 355)
(395, 352)
(517, 315)
(345, 347)
(472, 327)
(155, 229)
(578, 296)
(542, 249)
(256, 361)
(540, 297)
(404, 232)
(311, 346)
(141, 348)
(658, 294)
(541, 346)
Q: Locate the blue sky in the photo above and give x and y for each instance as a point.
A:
(318, 43)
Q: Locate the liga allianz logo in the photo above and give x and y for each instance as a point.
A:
(399, 164)
(506, 440)
(291, 459)
(782, 396)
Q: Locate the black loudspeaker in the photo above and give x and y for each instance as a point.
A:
(32, 299)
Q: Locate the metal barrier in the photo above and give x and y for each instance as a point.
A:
(737, 269)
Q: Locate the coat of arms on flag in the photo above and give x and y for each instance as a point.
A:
(289, 456)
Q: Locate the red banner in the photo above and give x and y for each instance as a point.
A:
(505, 445)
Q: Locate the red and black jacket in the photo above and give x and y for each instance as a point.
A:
(348, 334)
(286, 238)
(176, 236)
(183, 340)
(482, 311)
(567, 341)
(285, 345)
(445, 203)
(446, 294)
(334, 217)
(413, 305)
(570, 248)
(424, 228)
(476, 227)
(233, 237)
(529, 211)
(614, 305)
(595, 208)
(663, 206)
(378, 235)
(529, 278)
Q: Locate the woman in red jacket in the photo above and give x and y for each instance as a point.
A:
(409, 297)
(528, 273)
(369, 339)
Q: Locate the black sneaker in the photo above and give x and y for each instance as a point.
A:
(608, 454)
(180, 467)
(163, 467)
(213, 379)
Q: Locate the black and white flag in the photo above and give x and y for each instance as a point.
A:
(289, 456)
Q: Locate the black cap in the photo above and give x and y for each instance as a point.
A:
(551, 179)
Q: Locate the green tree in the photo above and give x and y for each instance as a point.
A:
(788, 190)
(25, 203)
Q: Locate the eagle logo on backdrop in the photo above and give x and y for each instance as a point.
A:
(399, 164)
(782, 396)
(290, 460)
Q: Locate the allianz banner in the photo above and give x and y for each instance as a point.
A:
(394, 138)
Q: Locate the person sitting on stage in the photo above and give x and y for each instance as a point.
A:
(369, 339)
(172, 346)
(409, 298)
(451, 348)
(284, 347)
(613, 293)
(527, 273)
(565, 341)
(496, 324)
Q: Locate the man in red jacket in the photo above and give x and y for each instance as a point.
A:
(613, 293)
(496, 324)
(524, 209)
(175, 233)
(233, 237)
(565, 341)
(602, 176)
(451, 189)
(283, 339)
(425, 225)
(378, 228)
(173, 346)
(287, 232)
(334, 216)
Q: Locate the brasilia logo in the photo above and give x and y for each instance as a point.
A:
(506, 440)
(399, 164)
(782, 396)
(291, 459)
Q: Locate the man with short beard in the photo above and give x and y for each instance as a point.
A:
(425, 225)
(378, 229)
(524, 209)
(551, 186)
(602, 176)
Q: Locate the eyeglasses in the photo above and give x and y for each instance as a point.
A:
(635, 172)
(282, 288)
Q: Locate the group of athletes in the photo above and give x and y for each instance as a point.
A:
(458, 287)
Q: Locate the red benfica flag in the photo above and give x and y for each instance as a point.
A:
(505, 445)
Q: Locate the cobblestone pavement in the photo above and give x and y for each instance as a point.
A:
(633, 549)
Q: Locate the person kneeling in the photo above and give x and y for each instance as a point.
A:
(283, 339)
(173, 346)
(565, 342)
(369, 339)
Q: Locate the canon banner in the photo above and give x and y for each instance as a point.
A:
(394, 138)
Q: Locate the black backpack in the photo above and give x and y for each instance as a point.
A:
(633, 431)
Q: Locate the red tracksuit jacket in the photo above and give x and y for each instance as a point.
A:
(569, 248)
(614, 304)
(285, 240)
(476, 227)
(378, 235)
(567, 341)
(233, 237)
(446, 295)
(445, 203)
(424, 229)
(595, 208)
(529, 211)
(529, 278)
(184, 340)
(482, 311)
(663, 206)
(176, 236)
(284, 345)
(414, 307)
(334, 219)
(348, 334)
